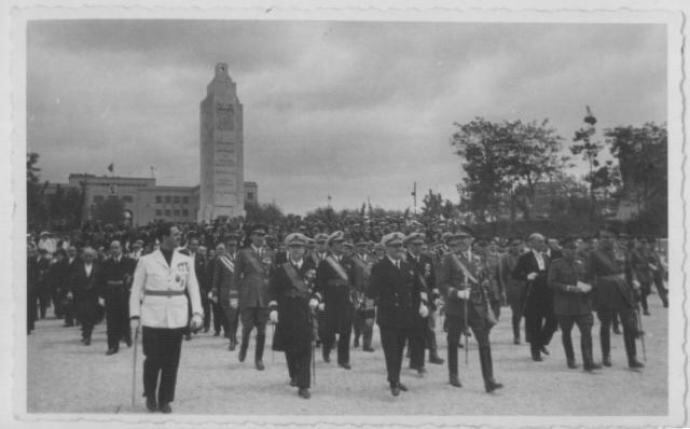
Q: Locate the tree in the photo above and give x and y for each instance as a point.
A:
(36, 207)
(435, 207)
(109, 211)
(504, 160)
(264, 213)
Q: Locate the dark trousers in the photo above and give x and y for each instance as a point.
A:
(206, 305)
(645, 291)
(627, 318)
(516, 317)
(584, 323)
(117, 317)
(299, 367)
(361, 329)
(218, 317)
(417, 343)
(254, 317)
(540, 324)
(393, 343)
(343, 343)
(162, 351)
(430, 335)
(44, 302)
(480, 330)
(31, 313)
(230, 321)
(659, 283)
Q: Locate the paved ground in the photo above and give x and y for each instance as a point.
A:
(66, 376)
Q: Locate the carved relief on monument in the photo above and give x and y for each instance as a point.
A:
(226, 116)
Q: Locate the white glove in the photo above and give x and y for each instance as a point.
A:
(322, 306)
(134, 324)
(531, 276)
(101, 302)
(636, 284)
(196, 321)
(233, 303)
(69, 295)
(273, 315)
(313, 303)
(464, 294)
(209, 295)
(423, 310)
(584, 287)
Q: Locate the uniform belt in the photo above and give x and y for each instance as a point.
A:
(115, 283)
(163, 292)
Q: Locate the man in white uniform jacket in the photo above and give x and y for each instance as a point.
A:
(163, 283)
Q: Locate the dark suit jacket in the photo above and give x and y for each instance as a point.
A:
(561, 275)
(114, 275)
(538, 294)
(86, 290)
(252, 279)
(396, 293)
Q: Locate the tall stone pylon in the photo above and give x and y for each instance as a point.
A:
(222, 150)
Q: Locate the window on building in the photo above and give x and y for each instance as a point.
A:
(159, 212)
(185, 200)
(167, 212)
(159, 199)
(250, 196)
(176, 213)
(98, 199)
(127, 198)
(185, 212)
(167, 198)
(176, 200)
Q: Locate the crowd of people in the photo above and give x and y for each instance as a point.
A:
(323, 284)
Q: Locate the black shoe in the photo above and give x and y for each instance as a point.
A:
(206, 330)
(187, 337)
(616, 330)
(326, 357)
(516, 341)
(165, 408)
(544, 350)
(421, 371)
(436, 360)
(591, 366)
(345, 365)
(646, 312)
(492, 385)
(635, 364)
(151, 404)
(128, 342)
(606, 361)
(572, 364)
(87, 341)
(402, 387)
(232, 346)
(304, 393)
(259, 365)
(460, 345)
(454, 381)
(111, 352)
(356, 344)
(395, 390)
(368, 349)
(536, 356)
(242, 354)
(293, 382)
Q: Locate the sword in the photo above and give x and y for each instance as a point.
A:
(134, 366)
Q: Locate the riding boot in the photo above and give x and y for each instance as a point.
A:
(259, 349)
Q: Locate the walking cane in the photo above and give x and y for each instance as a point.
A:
(134, 366)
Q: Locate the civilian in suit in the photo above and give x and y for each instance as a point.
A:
(292, 305)
(85, 283)
(540, 320)
(31, 286)
(463, 282)
(116, 280)
(226, 291)
(514, 289)
(335, 283)
(252, 271)
(57, 276)
(73, 261)
(164, 287)
(400, 299)
(610, 273)
(43, 282)
(573, 303)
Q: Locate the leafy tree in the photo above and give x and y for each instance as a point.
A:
(36, 207)
(109, 211)
(264, 213)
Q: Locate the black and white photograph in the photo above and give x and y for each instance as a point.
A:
(290, 216)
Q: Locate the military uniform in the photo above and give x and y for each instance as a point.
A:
(424, 333)
(514, 290)
(460, 273)
(226, 291)
(364, 317)
(115, 283)
(161, 291)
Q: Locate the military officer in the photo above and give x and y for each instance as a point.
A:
(572, 303)
(291, 309)
(400, 298)
(614, 293)
(115, 283)
(462, 280)
(317, 256)
(334, 282)
(252, 270)
(226, 291)
(164, 283)
(364, 317)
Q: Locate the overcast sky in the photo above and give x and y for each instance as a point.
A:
(353, 110)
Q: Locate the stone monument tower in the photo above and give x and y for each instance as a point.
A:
(222, 150)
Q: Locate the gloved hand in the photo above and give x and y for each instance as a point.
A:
(196, 322)
(313, 303)
(101, 302)
(273, 316)
(531, 276)
(464, 294)
(369, 322)
(322, 306)
(636, 284)
(233, 303)
(134, 324)
(69, 295)
(584, 287)
(423, 310)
